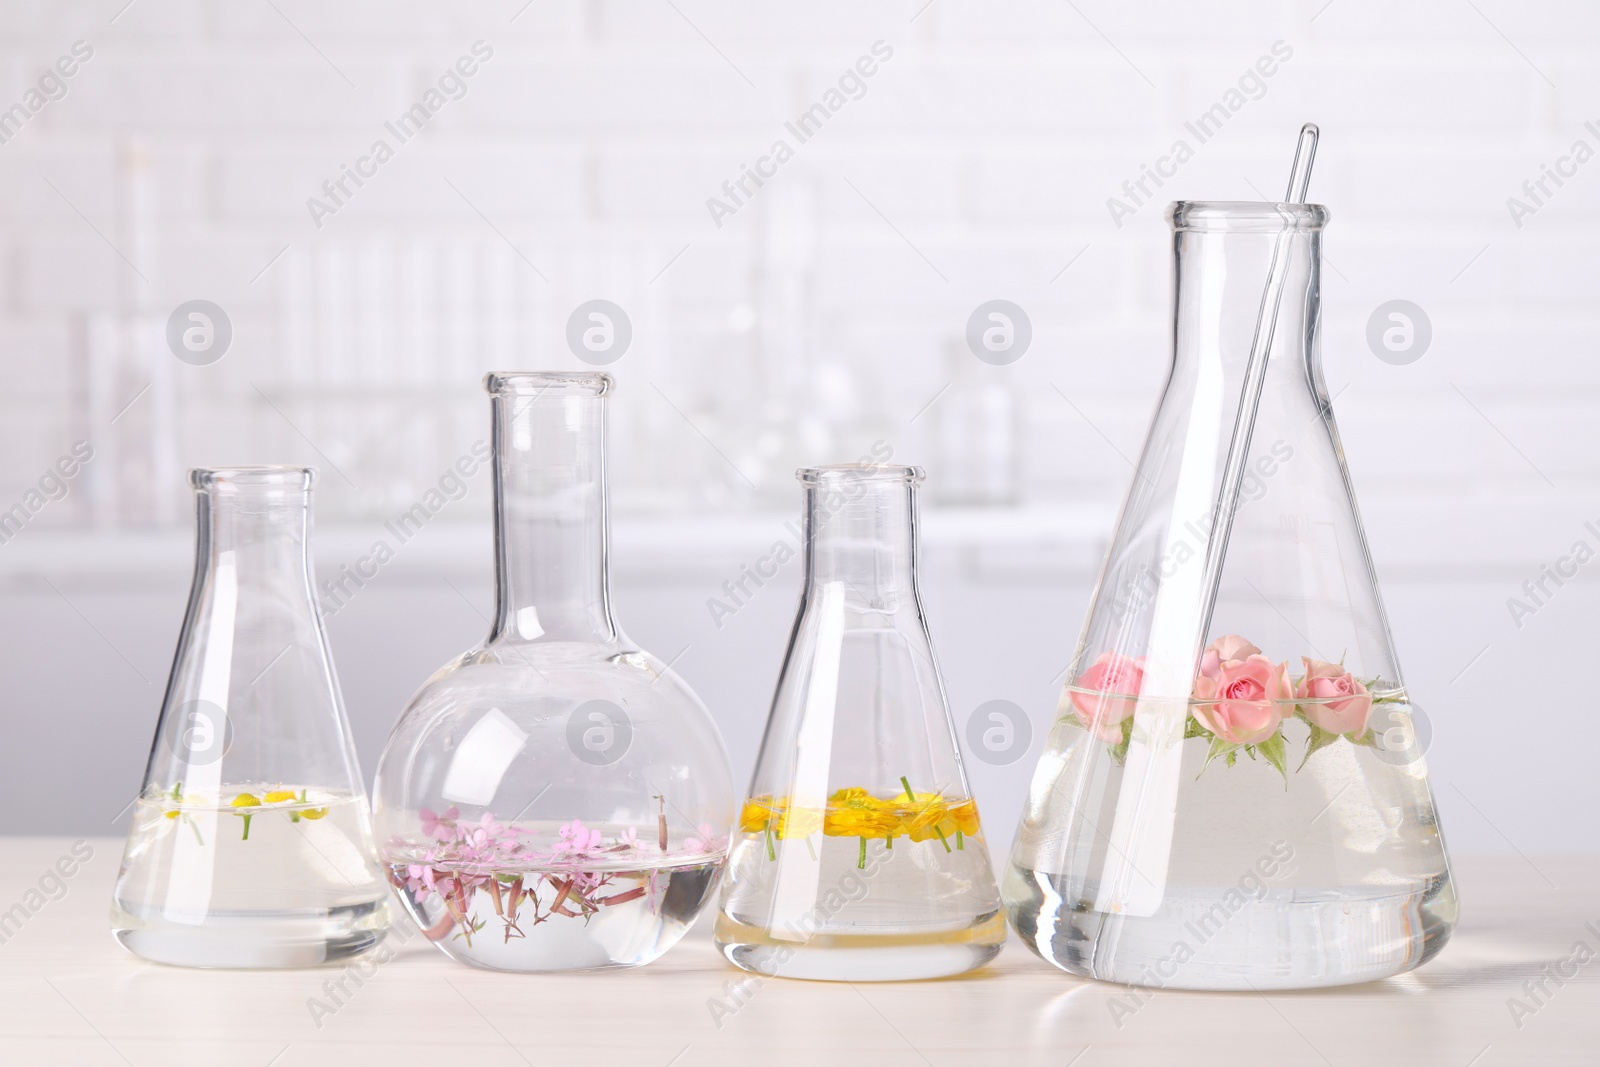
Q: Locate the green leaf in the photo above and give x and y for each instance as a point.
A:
(1193, 728)
(1273, 751)
(1219, 747)
(1320, 738)
(1119, 751)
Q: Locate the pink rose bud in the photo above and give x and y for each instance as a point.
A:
(1113, 678)
(1244, 703)
(1340, 704)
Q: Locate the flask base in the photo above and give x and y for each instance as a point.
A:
(897, 957)
(255, 940)
(1214, 938)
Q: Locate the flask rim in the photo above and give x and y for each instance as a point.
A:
(275, 476)
(1244, 216)
(554, 383)
(857, 473)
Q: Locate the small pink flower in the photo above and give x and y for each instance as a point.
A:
(1243, 703)
(439, 827)
(1342, 704)
(576, 839)
(1115, 680)
(706, 842)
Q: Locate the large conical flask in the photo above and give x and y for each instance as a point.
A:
(251, 843)
(1233, 794)
(556, 798)
(859, 854)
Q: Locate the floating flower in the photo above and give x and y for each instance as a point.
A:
(854, 812)
(439, 827)
(761, 814)
(1228, 648)
(1336, 700)
(246, 801)
(1113, 682)
(576, 840)
(964, 813)
(705, 841)
(1242, 703)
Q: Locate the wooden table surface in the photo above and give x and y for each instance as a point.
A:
(69, 995)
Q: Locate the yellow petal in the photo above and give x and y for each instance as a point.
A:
(313, 813)
(278, 796)
(246, 800)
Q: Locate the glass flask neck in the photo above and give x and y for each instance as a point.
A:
(1223, 253)
(550, 500)
(861, 534)
(256, 522)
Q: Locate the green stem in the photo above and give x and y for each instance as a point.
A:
(246, 836)
(809, 848)
(888, 842)
(960, 844)
(861, 861)
(772, 853)
(909, 794)
(942, 839)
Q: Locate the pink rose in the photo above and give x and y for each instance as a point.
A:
(1343, 704)
(1241, 704)
(1223, 649)
(1114, 679)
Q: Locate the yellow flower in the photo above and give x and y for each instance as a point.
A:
(854, 812)
(246, 800)
(763, 813)
(756, 815)
(277, 796)
(923, 819)
(799, 822)
(313, 813)
(965, 815)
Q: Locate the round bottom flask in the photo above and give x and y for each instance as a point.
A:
(555, 799)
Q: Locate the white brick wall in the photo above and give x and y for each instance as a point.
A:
(990, 141)
(807, 325)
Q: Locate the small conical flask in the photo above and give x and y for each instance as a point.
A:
(251, 843)
(555, 799)
(859, 854)
(1233, 794)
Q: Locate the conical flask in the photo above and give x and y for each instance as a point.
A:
(1256, 814)
(859, 854)
(251, 843)
(555, 799)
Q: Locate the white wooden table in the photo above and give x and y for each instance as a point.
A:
(69, 995)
